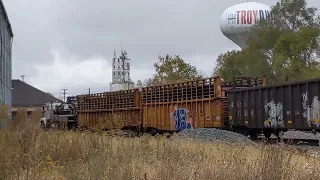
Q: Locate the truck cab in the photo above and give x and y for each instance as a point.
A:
(58, 114)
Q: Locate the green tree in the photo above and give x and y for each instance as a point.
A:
(237, 63)
(172, 69)
(284, 48)
(50, 94)
(139, 84)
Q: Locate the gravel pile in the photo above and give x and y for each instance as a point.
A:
(300, 135)
(206, 134)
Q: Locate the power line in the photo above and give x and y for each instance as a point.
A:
(67, 84)
(64, 83)
(39, 77)
(35, 80)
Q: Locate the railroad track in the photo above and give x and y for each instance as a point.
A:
(292, 141)
(272, 140)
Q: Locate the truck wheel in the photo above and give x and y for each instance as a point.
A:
(55, 125)
(71, 126)
(42, 126)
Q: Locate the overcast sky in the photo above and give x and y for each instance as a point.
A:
(69, 43)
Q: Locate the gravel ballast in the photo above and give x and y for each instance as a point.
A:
(206, 134)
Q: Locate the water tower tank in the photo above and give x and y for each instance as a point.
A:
(237, 21)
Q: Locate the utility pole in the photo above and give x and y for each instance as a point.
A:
(64, 94)
(22, 77)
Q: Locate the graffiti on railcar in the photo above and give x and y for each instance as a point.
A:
(275, 114)
(182, 119)
(311, 112)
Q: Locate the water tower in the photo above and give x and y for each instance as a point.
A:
(237, 21)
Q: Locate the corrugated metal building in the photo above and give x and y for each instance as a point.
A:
(6, 36)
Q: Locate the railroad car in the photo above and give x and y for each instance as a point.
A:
(110, 110)
(166, 108)
(275, 109)
(193, 104)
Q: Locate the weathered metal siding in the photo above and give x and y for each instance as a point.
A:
(179, 116)
(6, 37)
(242, 82)
(181, 106)
(287, 106)
(245, 81)
(109, 110)
(238, 83)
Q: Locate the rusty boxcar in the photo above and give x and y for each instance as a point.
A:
(272, 109)
(109, 110)
(173, 107)
(181, 106)
(193, 104)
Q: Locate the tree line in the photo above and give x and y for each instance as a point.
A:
(285, 48)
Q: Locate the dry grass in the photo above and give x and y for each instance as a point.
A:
(27, 153)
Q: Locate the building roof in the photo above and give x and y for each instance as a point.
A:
(25, 95)
(3, 9)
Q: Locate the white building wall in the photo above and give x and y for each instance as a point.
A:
(122, 86)
(121, 74)
(126, 70)
(116, 70)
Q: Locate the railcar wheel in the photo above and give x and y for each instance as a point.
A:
(253, 136)
(277, 134)
(154, 132)
(267, 134)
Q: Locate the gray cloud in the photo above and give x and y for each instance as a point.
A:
(85, 28)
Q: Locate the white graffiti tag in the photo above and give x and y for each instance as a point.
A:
(275, 114)
(311, 113)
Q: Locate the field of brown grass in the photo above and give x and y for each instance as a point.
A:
(28, 153)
